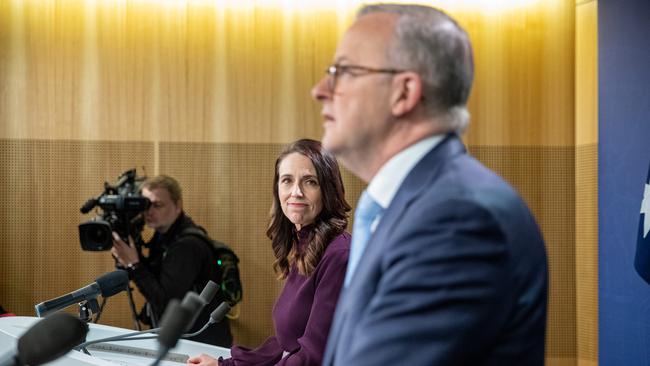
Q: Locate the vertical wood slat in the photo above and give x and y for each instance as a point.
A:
(586, 121)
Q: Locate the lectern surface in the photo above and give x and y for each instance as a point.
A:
(134, 352)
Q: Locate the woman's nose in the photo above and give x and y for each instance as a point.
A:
(296, 191)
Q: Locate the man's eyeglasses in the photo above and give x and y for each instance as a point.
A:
(334, 71)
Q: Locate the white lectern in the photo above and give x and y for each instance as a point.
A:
(132, 352)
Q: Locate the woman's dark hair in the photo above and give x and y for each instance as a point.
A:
(330, 222)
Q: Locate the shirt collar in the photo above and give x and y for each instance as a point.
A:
(384, 185)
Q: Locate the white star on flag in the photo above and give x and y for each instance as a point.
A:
(645, 209)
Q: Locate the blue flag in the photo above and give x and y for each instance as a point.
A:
(642, 258)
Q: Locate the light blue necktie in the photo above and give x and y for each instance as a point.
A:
(367, 210)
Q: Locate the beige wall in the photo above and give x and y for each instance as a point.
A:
(587, 181)
(210, 93)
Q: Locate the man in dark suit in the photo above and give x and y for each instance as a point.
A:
(447, 264)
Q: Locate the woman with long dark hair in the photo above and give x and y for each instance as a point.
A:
(311, 247)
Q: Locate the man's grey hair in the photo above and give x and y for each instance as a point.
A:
(431, 43)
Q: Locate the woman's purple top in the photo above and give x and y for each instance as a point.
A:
(303, 313)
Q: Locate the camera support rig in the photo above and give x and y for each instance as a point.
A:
(122, 206)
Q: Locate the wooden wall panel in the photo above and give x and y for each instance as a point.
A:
(586, 226)
(43, 185)
(523, 93)
(141, 71)
(586, 115)
(586, 120)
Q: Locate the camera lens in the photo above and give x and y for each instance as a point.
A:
(95, 235)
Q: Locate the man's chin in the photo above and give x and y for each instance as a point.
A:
(331, 143)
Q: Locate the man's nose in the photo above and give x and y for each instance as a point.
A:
(320, 91)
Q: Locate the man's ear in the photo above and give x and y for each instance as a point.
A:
(407, 93)
(179, 206)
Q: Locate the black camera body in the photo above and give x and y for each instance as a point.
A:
(122, 206)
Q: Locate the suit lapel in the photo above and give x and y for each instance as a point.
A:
(422, 176)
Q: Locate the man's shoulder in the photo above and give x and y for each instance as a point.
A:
(467, 179)
(193, 238)
(452, 191)
(468, 194)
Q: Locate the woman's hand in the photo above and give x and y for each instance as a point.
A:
(202, 360)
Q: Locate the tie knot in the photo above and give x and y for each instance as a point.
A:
(368, 208)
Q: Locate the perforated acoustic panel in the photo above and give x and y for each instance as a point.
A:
(42, 186)
(587, 251)
(227, 189)
(544, 176)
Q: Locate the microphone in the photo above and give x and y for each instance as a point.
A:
(89, 205)
(47, 340)
(215, 317)
(106, 285)
(207, 295)
(174, 322)
(209, 291)
(195, 304)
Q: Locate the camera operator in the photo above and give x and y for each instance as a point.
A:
(176, 262)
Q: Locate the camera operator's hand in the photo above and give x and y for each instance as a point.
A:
(126, 254)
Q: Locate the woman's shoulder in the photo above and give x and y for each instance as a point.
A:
(334, 261)
(340, 245)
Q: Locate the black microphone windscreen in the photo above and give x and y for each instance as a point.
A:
(209, 291)
(194, 304)
(50, 338)
(221, 311)
(173, 324)
(89, 205)
(113, 282)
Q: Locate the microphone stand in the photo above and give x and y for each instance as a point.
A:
(121, 337)
(133, 338)
(129, 290)
(215, 317)
(101, 309)
(129, 294)
(87, 308)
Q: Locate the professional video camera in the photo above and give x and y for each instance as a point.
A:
(122, 206)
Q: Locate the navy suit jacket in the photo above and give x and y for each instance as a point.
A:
(454, 274)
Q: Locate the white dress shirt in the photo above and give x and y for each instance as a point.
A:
(383, 187)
